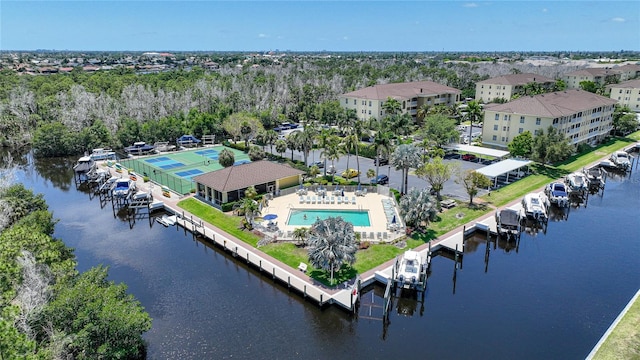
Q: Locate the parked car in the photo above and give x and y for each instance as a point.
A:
(319, 164)
(350, 173)
(331, 170)
(380, 161)
(380, 179)
(469, 157)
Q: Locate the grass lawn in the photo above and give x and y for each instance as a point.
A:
(543, 174)
(624, 340)
(446, 221)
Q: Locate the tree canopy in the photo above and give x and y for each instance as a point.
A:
(332, 243)
(521, 145)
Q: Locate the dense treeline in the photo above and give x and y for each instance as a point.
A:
(47, 309)
(107, 108)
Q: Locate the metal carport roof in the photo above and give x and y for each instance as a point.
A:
(503, 167)
(478, 150)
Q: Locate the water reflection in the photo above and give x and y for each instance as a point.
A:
(207, 304)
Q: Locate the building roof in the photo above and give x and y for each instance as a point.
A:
(402, 90)
(242, 176)
(604, 71)
(631, 84)
(551, 105)
(517, 79)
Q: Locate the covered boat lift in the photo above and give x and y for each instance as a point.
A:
(504, 167)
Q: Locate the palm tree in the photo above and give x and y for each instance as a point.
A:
(332, 242)
(402, 124)
(474, 112)
(281, 147)
(333, 151)
(382, 145)
(226, 158)
(423, 111)
(270, 137)
(305, 141)
(249, 208)
(405, 157)
(293, 142)
(300, 234)
(418, 207)
(323, 140)
(392, 106)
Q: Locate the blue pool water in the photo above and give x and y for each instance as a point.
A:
(355, 217)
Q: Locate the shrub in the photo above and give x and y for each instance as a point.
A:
(364, 245)
(145, 179)
(226, 207)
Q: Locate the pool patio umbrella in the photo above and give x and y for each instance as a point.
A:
(393, 221)
(270, 217)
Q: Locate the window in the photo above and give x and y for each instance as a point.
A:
(503, 139)
(495, 127)
(354, 101)
(497, 116)
(504, 128)
(369, 112)
(538, 121)
(521, 119)
(369, 102)
(346, 101)
(495, 137)
(520, 130)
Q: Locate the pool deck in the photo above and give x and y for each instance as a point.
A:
(282, 206)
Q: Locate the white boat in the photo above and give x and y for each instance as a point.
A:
(596, 177)
(102, 154)
(164, 146)
(556, 192)
(167, 220)
(85, 165)
(409, 270)
(124, 187)
(621, 160)
(535, 205)
(577, 181)
(139, 148)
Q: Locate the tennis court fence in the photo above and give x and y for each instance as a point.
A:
(174, 182)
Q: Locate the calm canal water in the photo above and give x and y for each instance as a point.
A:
(551, 298)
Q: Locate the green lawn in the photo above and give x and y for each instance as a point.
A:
(543, 174)
(624, 340)
(446, 221)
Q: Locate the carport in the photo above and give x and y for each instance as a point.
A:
(504, 167)
(494, 153)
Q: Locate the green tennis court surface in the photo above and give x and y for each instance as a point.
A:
(176, 169)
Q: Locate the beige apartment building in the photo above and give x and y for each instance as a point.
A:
(582, 116)
(368, 101)
(601, 75)
(505, 86)
(626, 93)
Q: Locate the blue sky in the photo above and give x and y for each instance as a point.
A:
(320, 25)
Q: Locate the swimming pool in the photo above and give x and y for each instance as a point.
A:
(306, 217)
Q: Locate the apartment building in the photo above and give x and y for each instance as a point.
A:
(626, 93)
(505, 86)
(601, 75)
(368, 102)
(582, 116)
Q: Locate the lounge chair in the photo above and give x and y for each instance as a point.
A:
(364, 235)
(308, 199)
(289, 234)
(326, 200)
(384, 236)
(372, 235)
(301, 199)
(333, 200)
(379, 235)
(339, 200)
(353, 200)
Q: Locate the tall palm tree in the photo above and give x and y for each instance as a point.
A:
(404, 157)
(418, 207)
(382, 145)
(357, 130)
(250, 209)
(332, 152)
(293, 142)
(474, 112)
(281, 146)
(423, 111)
(323, 140)
(306, 140)
(332, 242)
(402, 124)
(392, 106)
(270, 137)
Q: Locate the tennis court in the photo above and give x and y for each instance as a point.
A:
(176, 169)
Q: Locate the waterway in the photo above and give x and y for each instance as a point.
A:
(552, 297)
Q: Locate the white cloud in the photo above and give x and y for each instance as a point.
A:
(544, 10)
(470, 5)
(345, 38)
(263, 35)
(618, 19)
